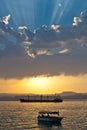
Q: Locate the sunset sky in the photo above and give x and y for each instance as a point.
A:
(43, 46)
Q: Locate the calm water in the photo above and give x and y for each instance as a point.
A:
(23, 116)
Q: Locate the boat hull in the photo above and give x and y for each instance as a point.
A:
(50, 120)
(25, 100)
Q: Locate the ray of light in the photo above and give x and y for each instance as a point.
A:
(41, 9)
(12, 11)
(66, 6)
(57, 8)
(44, 3)
(31, 17)
(61, 9)
(22, 12)
(35, 13)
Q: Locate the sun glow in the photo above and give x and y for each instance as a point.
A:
(44, 85)
(40, 83)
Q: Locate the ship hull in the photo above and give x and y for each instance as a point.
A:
(25, 100)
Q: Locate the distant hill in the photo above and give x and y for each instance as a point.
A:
(73, 96)
(68, 95)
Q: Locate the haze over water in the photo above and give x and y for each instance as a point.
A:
(23, 116)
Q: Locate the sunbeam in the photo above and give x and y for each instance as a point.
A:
(35, 13)
(22, 12)
(57, 8)
(65, 6)
(13, 11)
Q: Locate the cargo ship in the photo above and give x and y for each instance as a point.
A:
(56, 99)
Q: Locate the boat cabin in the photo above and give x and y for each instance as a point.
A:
(48, 113)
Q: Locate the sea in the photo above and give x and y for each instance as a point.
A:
(15, 115)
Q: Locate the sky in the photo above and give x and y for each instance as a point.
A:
(43, 46)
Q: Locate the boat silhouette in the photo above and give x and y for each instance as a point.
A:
(56, 99)
(49, 117)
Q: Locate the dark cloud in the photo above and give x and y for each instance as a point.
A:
(48, 50)
(24, 66)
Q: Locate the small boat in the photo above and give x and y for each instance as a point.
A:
(49, 117)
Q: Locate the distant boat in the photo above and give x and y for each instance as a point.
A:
(49, 117)
(41, 100)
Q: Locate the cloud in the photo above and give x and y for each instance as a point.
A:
(64, 51)
(82, 20)
(76, 21)
(6, 19)
(22, 27)
(48, 50)
(55, 27)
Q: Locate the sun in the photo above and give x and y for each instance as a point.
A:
(39, 81)
(39, 84)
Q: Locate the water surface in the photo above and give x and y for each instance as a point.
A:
(23, 116)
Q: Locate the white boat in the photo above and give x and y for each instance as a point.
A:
(49, 117)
